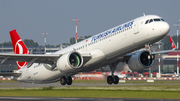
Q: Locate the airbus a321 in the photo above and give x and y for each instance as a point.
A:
(107, 48)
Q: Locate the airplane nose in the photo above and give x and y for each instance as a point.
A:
(165, 28)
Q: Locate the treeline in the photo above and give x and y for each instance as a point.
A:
(30, 43)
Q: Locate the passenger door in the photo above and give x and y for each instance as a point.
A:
(136, 23)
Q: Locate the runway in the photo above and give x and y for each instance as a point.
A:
(77, 99)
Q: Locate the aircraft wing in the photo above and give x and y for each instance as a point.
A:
(10, 74)
(31, 58)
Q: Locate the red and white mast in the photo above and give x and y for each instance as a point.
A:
(44, 41)
(159, 60)
(177, 53)
(77, 20)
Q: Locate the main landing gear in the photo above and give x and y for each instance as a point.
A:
(66, 80)
(113, 78)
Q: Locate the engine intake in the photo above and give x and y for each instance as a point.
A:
(75, 60)
(144, 59)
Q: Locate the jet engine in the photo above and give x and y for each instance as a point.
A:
(69, 62)
(140, 60)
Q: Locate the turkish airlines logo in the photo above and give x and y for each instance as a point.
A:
(20, 48)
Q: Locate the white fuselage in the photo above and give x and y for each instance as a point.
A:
(105, 48)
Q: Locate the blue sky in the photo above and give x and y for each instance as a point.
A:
(31, 18)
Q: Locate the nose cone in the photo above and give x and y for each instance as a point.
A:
(165, 28)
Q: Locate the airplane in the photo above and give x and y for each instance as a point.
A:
(118, 44)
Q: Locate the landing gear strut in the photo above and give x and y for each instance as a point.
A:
(66, 80)
(113, 79)
(150, 56)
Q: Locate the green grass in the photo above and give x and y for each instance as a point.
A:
(93, 93)
(156, 90)
(127, 87)
(7, 81)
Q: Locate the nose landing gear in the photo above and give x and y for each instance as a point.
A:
(150, 56)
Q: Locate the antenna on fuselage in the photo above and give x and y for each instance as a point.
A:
(144, 14)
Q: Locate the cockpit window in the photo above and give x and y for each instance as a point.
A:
(151, 21)
(146, 21)
(157, 20)
(162, 20)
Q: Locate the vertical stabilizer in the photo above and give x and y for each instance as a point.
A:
(172, 43)
(19, 47)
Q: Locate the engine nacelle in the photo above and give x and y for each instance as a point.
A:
(140, 61)
(69, 61)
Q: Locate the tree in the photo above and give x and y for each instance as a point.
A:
(50, 46)
(6, 44)
(87, 36)
(30, 43)
(72, 41)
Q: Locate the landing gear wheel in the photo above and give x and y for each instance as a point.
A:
(151, 57)
(116, 78)
(69, 80)
(113, 79)
(110, 80)
(63, 81)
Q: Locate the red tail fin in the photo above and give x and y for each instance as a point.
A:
(19, 47)
(172, 42)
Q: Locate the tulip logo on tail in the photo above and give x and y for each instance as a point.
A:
(20, 48)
